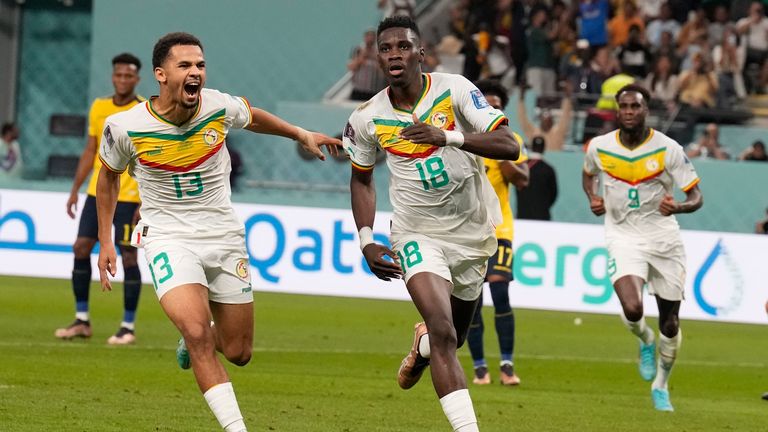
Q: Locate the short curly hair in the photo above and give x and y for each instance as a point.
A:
(398, 21)
(165, 43)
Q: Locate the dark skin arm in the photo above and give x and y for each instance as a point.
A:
(363, 193)
(693, 201)
(516, 174)
(589, 184)
(496, 144)
(83, 169)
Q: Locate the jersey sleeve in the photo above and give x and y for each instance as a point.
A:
(472, 106)
(239, 110)
(591, 161)
(116, 150)
(92, 121)
(680, 168)
(360, 143)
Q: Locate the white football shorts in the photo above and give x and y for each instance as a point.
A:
(220, 264)
(462, 265)
(661, 265)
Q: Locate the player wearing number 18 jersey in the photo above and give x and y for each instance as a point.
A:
(641, 165)
(433, 128)
(173, 145)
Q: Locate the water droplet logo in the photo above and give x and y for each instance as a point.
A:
(726, 281)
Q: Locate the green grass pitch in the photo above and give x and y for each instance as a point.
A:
(329, 364)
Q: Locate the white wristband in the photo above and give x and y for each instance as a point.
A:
(366, 237)
(454, 138)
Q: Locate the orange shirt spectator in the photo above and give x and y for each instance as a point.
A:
(618, 26)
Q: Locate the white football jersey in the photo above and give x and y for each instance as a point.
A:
(637, 180)
(182, 170)
(439, 191)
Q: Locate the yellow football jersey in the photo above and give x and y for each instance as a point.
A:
(100, 110)
(506, 230)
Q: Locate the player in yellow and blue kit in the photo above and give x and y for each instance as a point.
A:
(500, 173)
(125, 77)
(640, 166)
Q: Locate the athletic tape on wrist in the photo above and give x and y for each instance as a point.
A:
(366, 237)
(454, 138)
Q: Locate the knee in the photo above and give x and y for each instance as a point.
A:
(670, 327)
(442, 336)
(239, 356)
(198, 336)
(633, 311)
(130, 257)
(82, 247)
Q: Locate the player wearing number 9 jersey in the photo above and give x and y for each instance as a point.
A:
(173, 144)
(433, 127)
(641, 165)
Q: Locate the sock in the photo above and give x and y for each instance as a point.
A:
(131, 291)
(504, 319)
(475, 336)
(424, 349)
(81, 284)
(457, 406)
(639, 329)
(129, 325)
(668, 348)
(221, 398)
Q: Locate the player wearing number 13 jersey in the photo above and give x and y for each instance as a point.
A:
(641, 165)
(173, 145)
(433, 127)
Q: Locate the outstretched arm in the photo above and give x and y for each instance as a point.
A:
(363, 193)
(266, 123)
(107, 190)
(495, 144)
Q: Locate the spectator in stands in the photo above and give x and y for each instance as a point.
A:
(458, 21)
(397, 7)
(594, 19)
(10, 152)
(664, 23)
(619, 25)
(540, 70)
(762, 79)
(708, 145)
(761, 227)
(651, 9)
(699, 45)
(634, 56)
(754, 28)
(668, 49)
(553, 133)
(662, 82)
(511, 21)
(728, 61)
(604, 65)
(367, 77)
(698, 85)
(720, 24)
(576, 69)
(694, 32)
(535, 200)
(756, 152)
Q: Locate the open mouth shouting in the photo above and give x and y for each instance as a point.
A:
(396, 70)
(191, 92)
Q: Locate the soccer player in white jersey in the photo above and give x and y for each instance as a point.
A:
(193, 241)
(433, 128)
(641, 165)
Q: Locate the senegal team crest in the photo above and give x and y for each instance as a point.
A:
(210, 136)
(242, 268)
(439, 119)
(652, 165)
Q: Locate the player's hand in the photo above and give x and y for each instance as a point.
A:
(597, 205)
(668, 206)
(72, 205)
(422, 133)
(374, 254)
(107, 263)
(312, 141)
